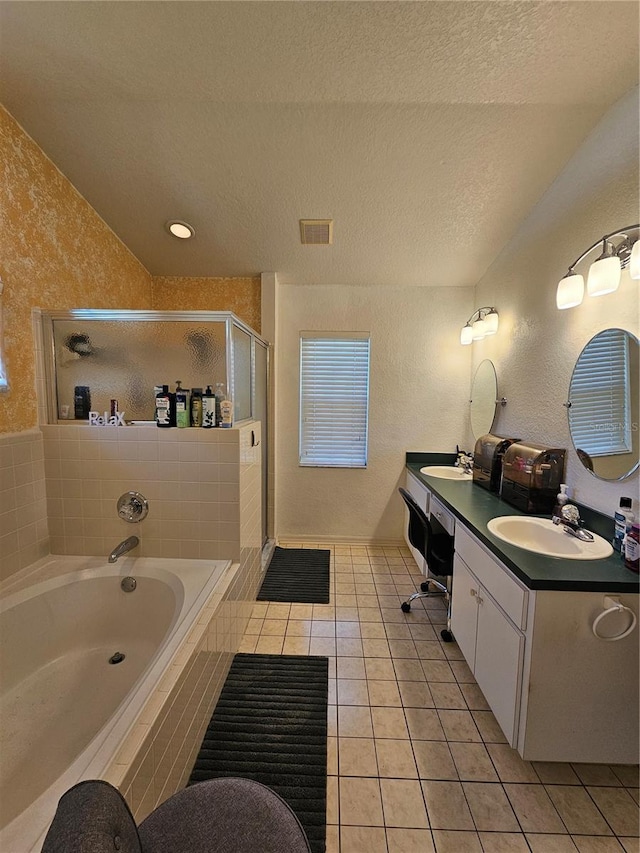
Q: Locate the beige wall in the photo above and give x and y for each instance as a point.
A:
(419, 400)
(240, 295)
(57, 254)
(537, 345)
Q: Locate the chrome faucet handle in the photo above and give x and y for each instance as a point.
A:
(571, 513)
(132, 507)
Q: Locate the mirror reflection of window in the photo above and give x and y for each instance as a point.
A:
(603, 412)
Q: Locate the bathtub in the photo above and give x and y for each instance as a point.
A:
(67, 697)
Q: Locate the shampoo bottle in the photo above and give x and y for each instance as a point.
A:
(182, 406)
(561, 499)
(196, 407)
(208, 408)
(622, 520)
(226, 412)
(220, 396)
(163, 407)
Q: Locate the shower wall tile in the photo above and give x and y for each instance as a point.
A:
(24, 533)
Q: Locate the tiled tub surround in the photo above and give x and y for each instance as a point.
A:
(23, 505)
(150, 754)
(203, 488)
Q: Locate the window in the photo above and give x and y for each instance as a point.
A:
(334, 399)
(600, 405)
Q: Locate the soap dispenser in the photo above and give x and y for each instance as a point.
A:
(561, 499)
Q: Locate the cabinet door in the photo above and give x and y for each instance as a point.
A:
(421, 496)
(464, 609)
(498, 663)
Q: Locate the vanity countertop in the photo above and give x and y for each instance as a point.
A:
(475, 506)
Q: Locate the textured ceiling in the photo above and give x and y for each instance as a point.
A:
(425, 130)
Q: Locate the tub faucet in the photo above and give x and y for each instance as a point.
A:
(123, 547)
(572, 524)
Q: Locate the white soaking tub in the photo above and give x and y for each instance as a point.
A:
(65, 705)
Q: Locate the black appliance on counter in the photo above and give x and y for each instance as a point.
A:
(531, 476)
(487, 460)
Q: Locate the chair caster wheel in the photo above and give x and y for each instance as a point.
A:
(424, 586)
(447, 636)
(405, 607)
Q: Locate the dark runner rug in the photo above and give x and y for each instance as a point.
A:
(297, 575)
(270, 725)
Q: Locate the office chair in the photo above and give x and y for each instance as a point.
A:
(225, 815)
(437, 550)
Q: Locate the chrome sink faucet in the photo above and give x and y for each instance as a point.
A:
(464, 460)
(123, 547)
(571, 523)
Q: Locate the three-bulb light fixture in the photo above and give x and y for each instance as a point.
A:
(620, 249)
(482, 323)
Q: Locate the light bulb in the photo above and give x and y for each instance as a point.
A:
(604, 274)
(479, 329)
(180, 229)
(570, 290)
(491, 322)
(634, 261)
(466, 335)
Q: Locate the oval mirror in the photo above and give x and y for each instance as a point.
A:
(603, 406)
(484, 393)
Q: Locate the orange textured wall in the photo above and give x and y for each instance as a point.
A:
(57, 254)
(239, 295)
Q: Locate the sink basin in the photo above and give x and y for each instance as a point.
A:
(447, 472)
(544, 537)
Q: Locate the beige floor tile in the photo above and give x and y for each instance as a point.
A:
(434, 760)
(376, 648)
(409, 840)
(352, 691)
(295, 646)
(299, 628)
(323, 646)
(248, 644)
(354, 721)
(357, 757)
(259, 610)
(452, 651)
(534, 809)
(363, 839)
(393, 614)
(333, 839)
(446, 806)
(577, 809)
(333, 811)
(332, 756)
(619, 808)
(447, 696)
(473, 696)
(488, 727)
(384, 693)
(332, 721)
(274, 628)
(428, 650)
(323, 628)
(510, 767)
(403, 649)
(343, 600)
(254, 626)
(269, 645)
(550, 843)
(346, 614)
(635, 793)
(597, 844)
(370, 614)
(379, 669)
(415, 694)
(332, 691)
(596, 774)
(447, 841)
(472, 762)
(423, 632)
(389, 723)
(408, 670)
(424, 724)
(630, 844)
(372, 630)
(360, 802)
(628, 774)
(395, 759)
(459, 725)
(301, 611)
(349, 647)
(503, 842)
(398, 631)
(462, 672)
(278, 611)
(347, 629)
(350, 668)
(490, 807)
(324, 611)
(403, 804)
(555, 773)
(438, 670)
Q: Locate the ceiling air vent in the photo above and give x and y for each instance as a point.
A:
(316, 232)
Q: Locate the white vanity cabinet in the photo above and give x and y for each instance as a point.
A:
(422, 496)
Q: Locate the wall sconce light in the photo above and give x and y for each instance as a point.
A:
(482, 323)
(604, 272)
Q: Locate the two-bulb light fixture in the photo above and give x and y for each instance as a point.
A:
(482, 323)
(620, 249)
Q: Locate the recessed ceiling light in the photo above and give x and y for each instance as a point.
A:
(180, 229)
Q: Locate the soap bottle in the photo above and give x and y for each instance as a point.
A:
(632, 549)
(622, 521)
(561, 499)
(196, 407)
(182, 405)
(208, 408)
(226, 413)
(220, 396)
(163, 407)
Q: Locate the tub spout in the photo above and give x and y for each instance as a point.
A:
(123, 547)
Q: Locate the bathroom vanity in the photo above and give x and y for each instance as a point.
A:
(524, 624)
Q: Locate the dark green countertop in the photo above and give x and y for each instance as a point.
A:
(475, 506)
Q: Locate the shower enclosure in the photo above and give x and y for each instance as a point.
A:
(124, 355)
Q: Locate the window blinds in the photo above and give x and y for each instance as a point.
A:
(600, 405)
(334, 399)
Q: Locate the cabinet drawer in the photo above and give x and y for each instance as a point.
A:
(446, 519)
(496, 578)
(418, 491)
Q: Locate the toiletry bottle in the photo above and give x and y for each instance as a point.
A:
(163, 407)
(182, 405)
(226, 412)
(632, 548)
(196, 407)
(220, 396)
(208, 408)
(82, 402)
(622, 520)
(561, 499)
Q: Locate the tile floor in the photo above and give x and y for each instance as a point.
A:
(416, 760)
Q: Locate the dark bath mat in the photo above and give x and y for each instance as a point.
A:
(270, 725)
(297, 575)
